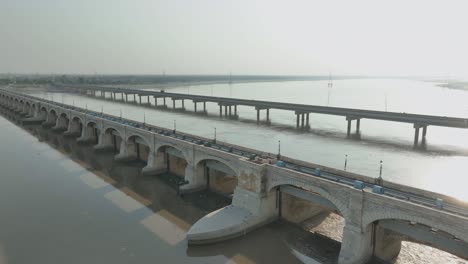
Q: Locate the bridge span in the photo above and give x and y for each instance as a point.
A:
(378, 215)
(302, 111)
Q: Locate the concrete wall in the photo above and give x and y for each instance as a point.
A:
(296, 210)
(177, 165)
(222, 183)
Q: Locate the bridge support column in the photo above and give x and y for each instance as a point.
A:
(139, 96)
(60, 124)
(258, 116)
(204, 107)
(126, 98)
(128, 151)
(164, 102)
(85, 135)
(356, 247)
(297, 120)
(230, 111)
(302, 120)
(105, 142)
(183, 104)
(134, 98)
(387, 244)
(220, 111)
(225, 110)
(155, 101)
(235, 110)
(196, 179)
(268, 115)
(416, 137)
(195, 106)
(156, 164)
(358, 125)
(348, 133)
(424, 132)
(73, 129)
(173, 103)
(307, 121)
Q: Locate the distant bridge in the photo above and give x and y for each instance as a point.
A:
(302, 111)
(378, 215)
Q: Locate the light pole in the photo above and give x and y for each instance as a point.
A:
(380, 174)
(279, 150)
(215, 135)
(345, 162)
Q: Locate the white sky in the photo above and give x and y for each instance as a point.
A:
(398, 37)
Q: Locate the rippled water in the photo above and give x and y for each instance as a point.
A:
(436, 169)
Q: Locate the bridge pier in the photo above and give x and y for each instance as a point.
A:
(387, 244)
(156, 163)
(416, 135)
(128, 151)
(105, 142)
(74, 129)
(356, 247)
(358, 126)
(258, 114)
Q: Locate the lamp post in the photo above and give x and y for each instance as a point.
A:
(345, 162)
(278, 156)
(380, 174)
(215, 135)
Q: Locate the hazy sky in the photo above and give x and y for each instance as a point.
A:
(398, 37)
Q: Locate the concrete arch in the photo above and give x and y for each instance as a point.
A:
(386, 215)
(167, 144)
(107, 129)
(76, 118)
(133, 135)
(90, 122)
(340, 205)
(230, 166)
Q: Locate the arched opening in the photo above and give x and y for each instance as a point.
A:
(137, 147)
(220, 177)
(27, 108)
(51, 118)
(62, 122)
(112, 139)
(33, 109)
(319, 220)
(76, 127)
(92, 132)
(395, 239)
(43, 113)
(174, 159)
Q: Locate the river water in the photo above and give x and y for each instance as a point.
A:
(65, 203)
(61, 202)
(440, 167)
